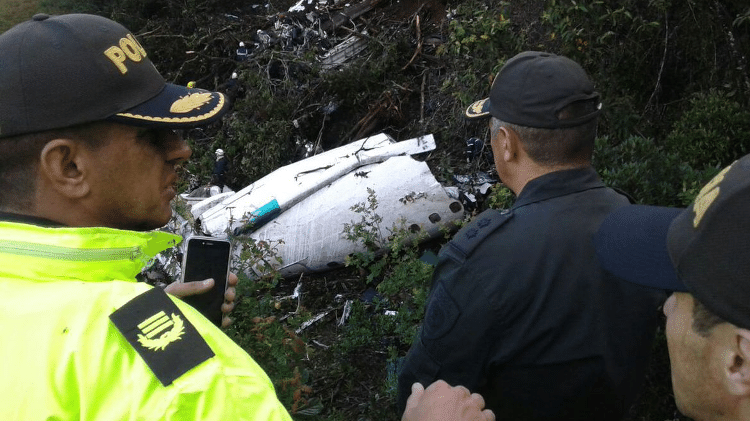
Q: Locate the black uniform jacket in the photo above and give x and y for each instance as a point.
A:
(521, 312)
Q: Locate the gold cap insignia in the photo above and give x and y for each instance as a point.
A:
(707, 196)
(189, 103)
(152, 328)
(476, 108)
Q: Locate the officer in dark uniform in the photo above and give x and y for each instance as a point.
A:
(520, 310)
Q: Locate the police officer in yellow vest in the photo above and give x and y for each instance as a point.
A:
(87, 170)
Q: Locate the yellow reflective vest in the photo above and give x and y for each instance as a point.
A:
(63, 358)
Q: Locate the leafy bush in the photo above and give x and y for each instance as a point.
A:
(394, 264)
(713, 131)
(501, 197)
(614, 42)
(275, 347)
(480, 37)
(648, 173)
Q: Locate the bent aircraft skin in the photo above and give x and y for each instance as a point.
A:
(302, 208)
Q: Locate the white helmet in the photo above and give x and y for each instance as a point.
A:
(242, 44)
(234, 75)
(220, 152)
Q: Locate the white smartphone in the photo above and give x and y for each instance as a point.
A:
(207, 257)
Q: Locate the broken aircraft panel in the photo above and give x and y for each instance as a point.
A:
(304, 206)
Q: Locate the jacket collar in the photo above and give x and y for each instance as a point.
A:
(80, 254)
(558, 183)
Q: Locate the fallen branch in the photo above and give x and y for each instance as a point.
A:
(419, 45)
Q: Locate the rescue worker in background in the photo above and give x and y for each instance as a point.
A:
(520, 310)
(241, 53)
(85, 175)
(702, 255)
(232, 88)
(221, 165)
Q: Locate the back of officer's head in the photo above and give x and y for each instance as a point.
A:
(549, 101)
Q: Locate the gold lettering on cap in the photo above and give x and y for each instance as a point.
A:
(138, 44)
(128, 48)
(707, 196)
(190, 103)
(118, 57)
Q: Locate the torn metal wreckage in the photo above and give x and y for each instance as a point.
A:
(303, 207)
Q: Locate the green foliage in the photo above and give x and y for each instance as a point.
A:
(713, 131)
(648, 173)
(260, 258)
(479, 31)
(674, 82)
(14, 11)
(501, 197)
(407, 284)
(368, 233)
(480, 37)
(277, 349)
(645, 56)
(273, 344)
(403, 284)
(254, 143)
(615, 42)
(393, 262)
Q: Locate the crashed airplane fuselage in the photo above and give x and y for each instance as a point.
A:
(303, 207)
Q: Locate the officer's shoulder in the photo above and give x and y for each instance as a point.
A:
(161, 334)
(479, 228)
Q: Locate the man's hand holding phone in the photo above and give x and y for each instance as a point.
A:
(208, 258)
(185, 289)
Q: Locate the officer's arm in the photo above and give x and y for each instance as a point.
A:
(178, 366)
(454, 341)
(459, 326)
(228, 386)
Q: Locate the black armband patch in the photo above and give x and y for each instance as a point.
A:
(161, 335)
(441, 314)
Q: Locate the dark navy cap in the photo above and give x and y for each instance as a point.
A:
(703, 249)
(59, 71)
(533, 87)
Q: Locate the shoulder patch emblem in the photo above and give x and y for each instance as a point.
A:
(156, 328)
(155, 325)
(442, 313)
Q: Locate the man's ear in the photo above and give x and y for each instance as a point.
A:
(505, 144)
(738, 364)
(62, 164)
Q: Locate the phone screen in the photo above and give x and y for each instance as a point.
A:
(207, 258)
